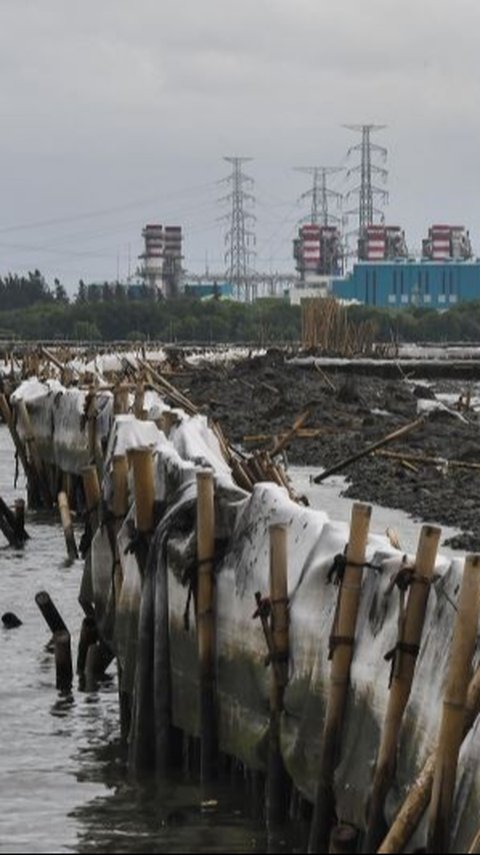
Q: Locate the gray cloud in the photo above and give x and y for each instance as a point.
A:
(124, 106)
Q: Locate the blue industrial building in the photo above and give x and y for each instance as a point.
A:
(408, 282)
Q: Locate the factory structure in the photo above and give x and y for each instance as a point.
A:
(161, 260)
(385, 275)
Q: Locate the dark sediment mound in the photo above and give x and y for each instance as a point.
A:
(263, 396)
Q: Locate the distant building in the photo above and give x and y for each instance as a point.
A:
(209, 289)
(400, 284)
(161, 268)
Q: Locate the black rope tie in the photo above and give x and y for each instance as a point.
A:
(340, 564)
(393, 656)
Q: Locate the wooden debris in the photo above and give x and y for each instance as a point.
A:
(397, 434)
(428, 460)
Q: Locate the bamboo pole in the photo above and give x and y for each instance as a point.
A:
(475, 844)
(408, 645)
(93, 495)
(282, 443)
(416, 802)
(19, 446)
(120, 399)
(391, 437)
(206, 622)
(144, 488)
(342, 640)
(424, 458)
(139, 400)
(454, 706)
(67, 525)
(277, 778)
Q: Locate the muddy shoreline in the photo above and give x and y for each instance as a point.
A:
(262, 397)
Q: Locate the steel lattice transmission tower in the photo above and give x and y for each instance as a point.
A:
(239, 237)
(321, 194)
(367, 191)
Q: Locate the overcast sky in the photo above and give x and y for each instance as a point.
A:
(118, 112)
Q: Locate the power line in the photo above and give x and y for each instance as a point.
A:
(239, 237)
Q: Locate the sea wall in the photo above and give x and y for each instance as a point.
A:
(146, 616)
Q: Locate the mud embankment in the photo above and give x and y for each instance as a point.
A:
(263, 396)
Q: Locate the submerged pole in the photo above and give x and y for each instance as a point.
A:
(67, 526)
(206, 622)
(50, 612)
(63, 660)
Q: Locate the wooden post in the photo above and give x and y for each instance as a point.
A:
(63, 660)
(343, 839)
(342, 649)
(66, 518)
(206, 622)
(454, 706)
(93, 495)
(408, 645)
(48, 609)
(277, 778)
(144, 488)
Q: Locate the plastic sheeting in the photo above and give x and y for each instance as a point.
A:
(152, 626)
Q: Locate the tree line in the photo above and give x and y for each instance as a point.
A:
(31, 309)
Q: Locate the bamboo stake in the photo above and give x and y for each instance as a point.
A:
(397, 434)
(120, 399)
(144, 488)
(408, 645)
(475, 845)
(34, 485)
(453, 719)
(93, 495)
(66, 518)
(206, 622)
(277, 778)
(418, 797)
(343, 640)
(139, 400)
